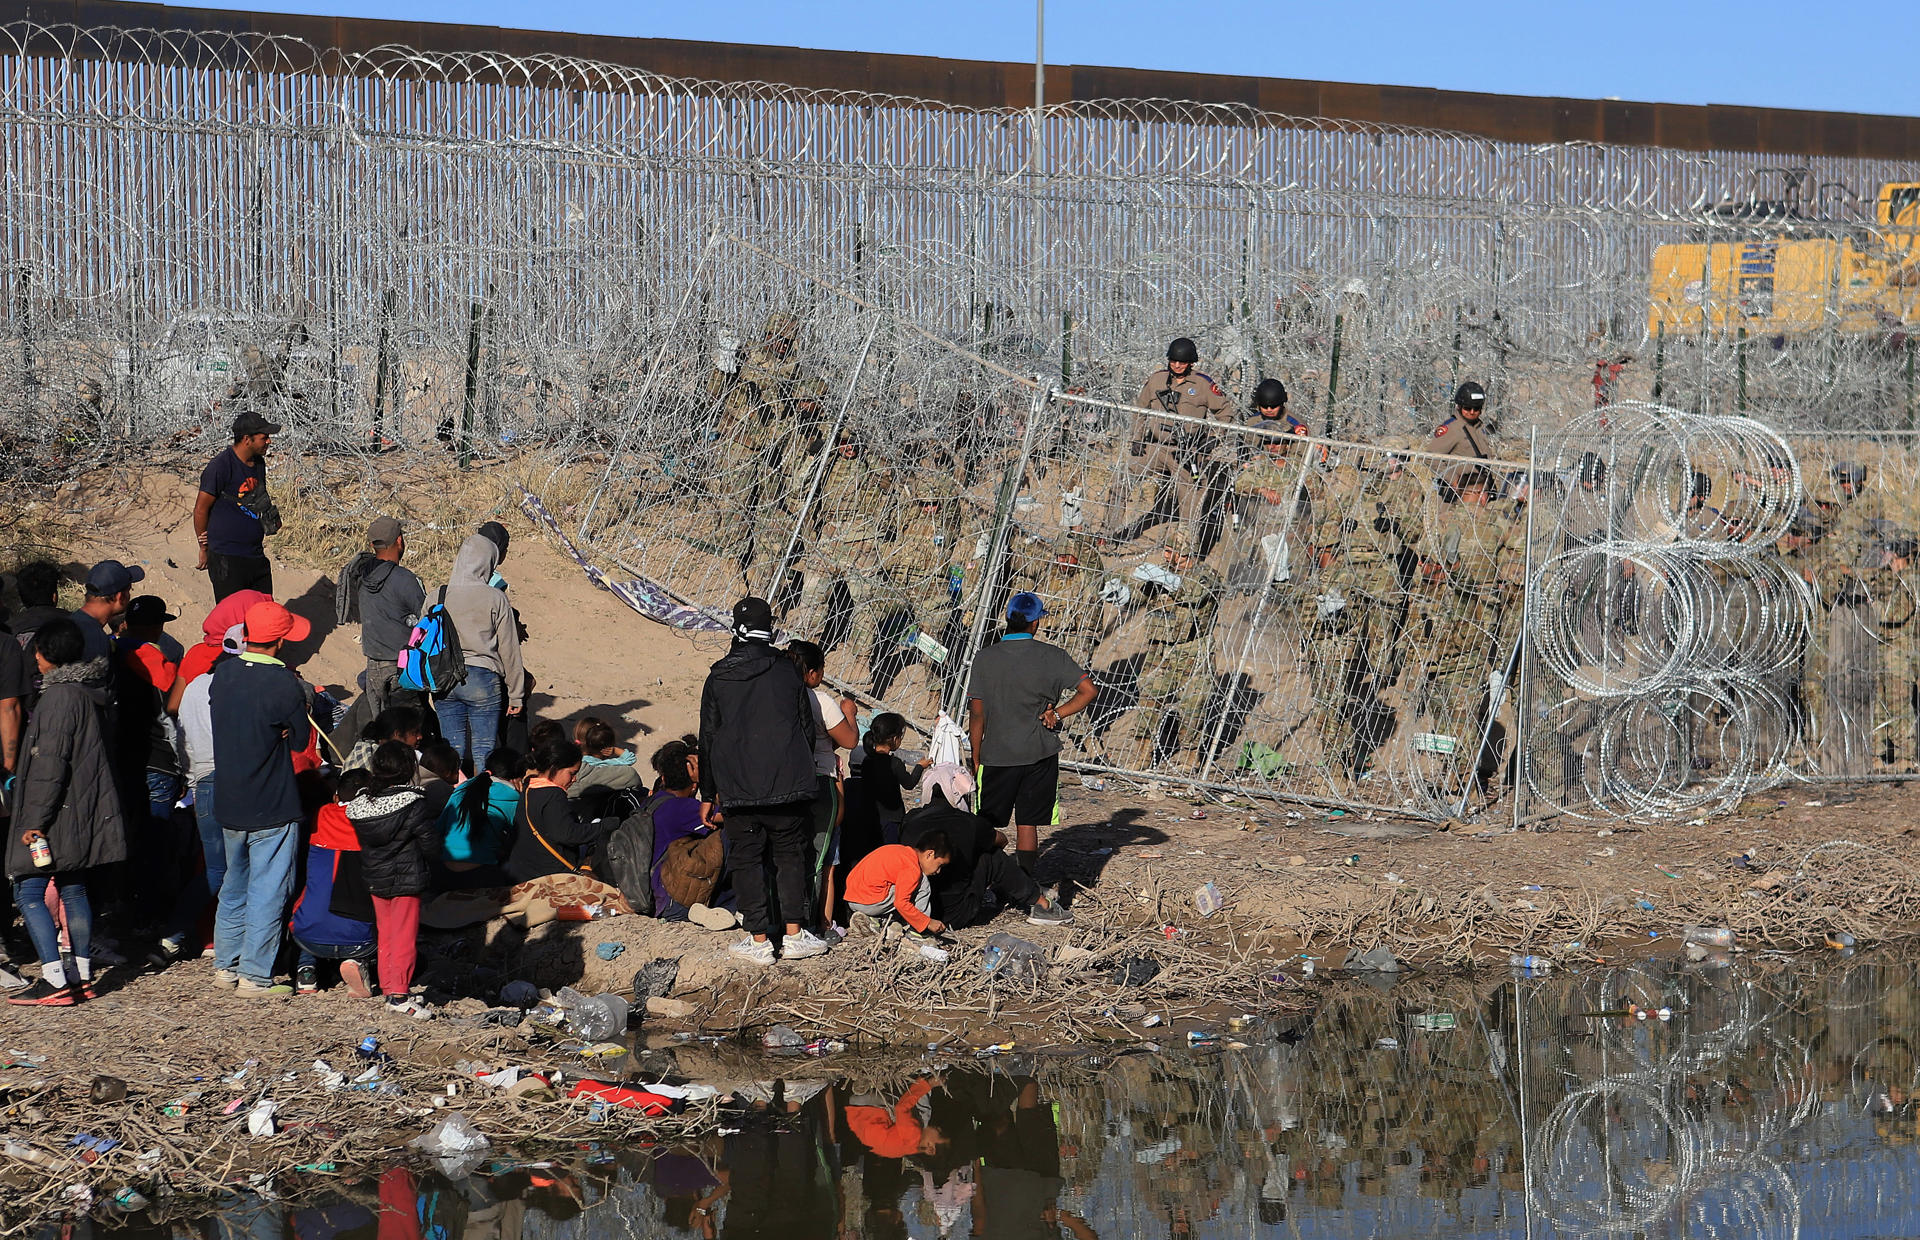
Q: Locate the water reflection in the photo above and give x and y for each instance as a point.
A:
(1776, 1102)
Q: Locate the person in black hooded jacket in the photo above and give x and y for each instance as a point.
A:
(756, 742)
(64, 795)
(398, 841)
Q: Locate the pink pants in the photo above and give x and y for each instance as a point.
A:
(397, 922)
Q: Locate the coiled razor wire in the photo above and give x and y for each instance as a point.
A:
(1663, 627)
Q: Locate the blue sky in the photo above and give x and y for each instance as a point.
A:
(1760, 52)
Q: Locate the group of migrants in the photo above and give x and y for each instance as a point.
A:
(211, 788)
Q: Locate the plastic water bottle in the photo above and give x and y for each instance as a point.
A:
(1530, 964)
(1708, 936)
(990, 958)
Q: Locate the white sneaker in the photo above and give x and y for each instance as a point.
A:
(753, 951)
(802, 946)
(410, 1006)
(707, 917)
(9, 980)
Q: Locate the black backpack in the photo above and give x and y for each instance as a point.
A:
(626, 858)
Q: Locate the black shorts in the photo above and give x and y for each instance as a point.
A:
(1030, 793)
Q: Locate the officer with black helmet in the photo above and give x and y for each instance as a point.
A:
(1467, 432)
(1172, 453)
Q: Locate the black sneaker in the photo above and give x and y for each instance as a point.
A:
(41, 994)
(165, 953)
(306, 980)
(1048, 915)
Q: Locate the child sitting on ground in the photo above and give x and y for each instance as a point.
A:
(476, 827)
(892, 881)
(440, 773)
(603, 763)
(883, 774)
(398, 841)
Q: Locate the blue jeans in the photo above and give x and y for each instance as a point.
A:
(162, 791)
(200, 889)
(470, 715)
(31, 895)
(253, 900)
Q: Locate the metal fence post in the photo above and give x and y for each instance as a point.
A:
(996, 549)
(473, 379)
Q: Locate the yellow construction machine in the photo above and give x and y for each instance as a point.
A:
(1809, 274)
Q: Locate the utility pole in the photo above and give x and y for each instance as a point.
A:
(1039, 84)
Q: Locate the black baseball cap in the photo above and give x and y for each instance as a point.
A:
(251, 423)
(149, 609)
(111, 577)
(753, 617)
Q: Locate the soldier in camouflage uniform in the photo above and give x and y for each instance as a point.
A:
(1851, 675)
(1468, 578)
(1347, 618)
(914, 597)
(1176, 678)
(1893, 587)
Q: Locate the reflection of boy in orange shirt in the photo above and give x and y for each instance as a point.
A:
(897, 1132)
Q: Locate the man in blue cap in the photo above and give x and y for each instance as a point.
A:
(1013, 721)
(109, 593)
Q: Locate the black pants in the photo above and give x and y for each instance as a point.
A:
(757, 835)
(231, 574)
(995, 872)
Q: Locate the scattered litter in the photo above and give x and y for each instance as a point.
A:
(451, 1137)
(997, 1048)
(1197, 814)
(1010, 955)
(781, 1037)
(935, 952)
(1388, 1044)
(1093, 782)
(670, 1009)
(1134, 971)
(1201, 1040)
(1707, 936)
(107, 1089)
(520, 994)
(1608, 851)
(1433, 1022)
(604, 1095)
(1207, 899)
(1351, 859)
(260, 1119)
(1530, 964)
(1840, 940)
(1393, 878)
(1243, 1022)
(1815, 804)
(1377, 960)
(609, 951)
(1150, 1020)
(129, 1201)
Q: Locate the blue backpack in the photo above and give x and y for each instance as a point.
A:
(432, 662)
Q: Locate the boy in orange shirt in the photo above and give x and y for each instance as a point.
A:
(893, 879)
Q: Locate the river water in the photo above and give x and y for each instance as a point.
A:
(1776, 1101)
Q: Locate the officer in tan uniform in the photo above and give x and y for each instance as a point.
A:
(1467, 432)
(1176, 455)
(1176, 678)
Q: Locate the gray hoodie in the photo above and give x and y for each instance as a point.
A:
(489, 635)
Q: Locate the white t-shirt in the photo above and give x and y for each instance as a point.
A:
(826, 713)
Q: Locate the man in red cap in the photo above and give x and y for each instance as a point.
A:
(259, 713)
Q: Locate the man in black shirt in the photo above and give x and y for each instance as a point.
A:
(979, 863)
(234, 514)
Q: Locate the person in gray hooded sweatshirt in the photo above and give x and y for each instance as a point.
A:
(490, 644)
(386, 599)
